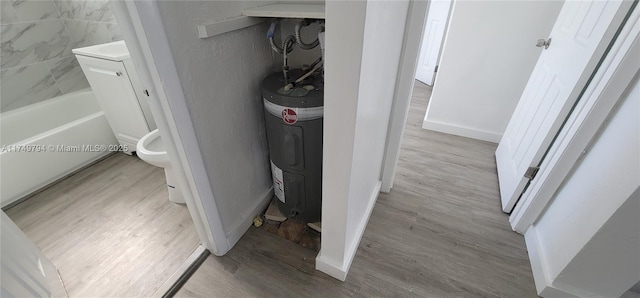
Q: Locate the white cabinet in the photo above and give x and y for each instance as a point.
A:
(116, 87)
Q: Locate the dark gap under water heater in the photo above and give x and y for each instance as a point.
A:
(294, 118)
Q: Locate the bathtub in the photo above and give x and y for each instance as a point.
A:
(46, 141)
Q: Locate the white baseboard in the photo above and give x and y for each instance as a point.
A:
(340, 271)
(334, 270)
(462, 131)
(247, 221)
(544, 286)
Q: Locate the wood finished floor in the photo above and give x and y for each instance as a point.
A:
(110, 229)
(439, 233)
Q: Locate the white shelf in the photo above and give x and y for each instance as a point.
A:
(297, 11)
(256, 15)
(221, 27)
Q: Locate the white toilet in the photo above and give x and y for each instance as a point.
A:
(150, 148)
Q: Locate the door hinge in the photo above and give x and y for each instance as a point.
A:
(531, 172)
(544, 43)
(436, 69)
(146, 92)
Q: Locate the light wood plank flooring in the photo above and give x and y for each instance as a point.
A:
(110, 229)
(439, 233)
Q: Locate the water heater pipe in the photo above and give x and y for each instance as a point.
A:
(299, 41)
(270, 35)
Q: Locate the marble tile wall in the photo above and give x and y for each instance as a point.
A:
(36, 38)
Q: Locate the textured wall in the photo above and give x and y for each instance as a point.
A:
(220, 77)
(36, 39)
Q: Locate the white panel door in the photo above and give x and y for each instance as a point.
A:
(25, 271)
(578, 41)
(435, 27)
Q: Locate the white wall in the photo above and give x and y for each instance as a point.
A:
(220, 77)
(342, 76)
(587, 238)
(488, 54)
(364, 41)
(383, 37)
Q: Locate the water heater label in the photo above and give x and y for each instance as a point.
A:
(287, 113)
(278, 182)
(290, 116)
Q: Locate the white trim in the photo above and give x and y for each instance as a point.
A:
(602, 94)
(342, 76)
(217, 28)
(404, 89)
(462, 131)
(147, 42)
(287, 10)
(544, 287)
(340, 271)
(325, 265)
(352, 247)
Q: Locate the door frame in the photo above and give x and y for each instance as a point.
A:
(442, 40)
(146, 39)
(548, 99)
(413, 34)
(617, 70)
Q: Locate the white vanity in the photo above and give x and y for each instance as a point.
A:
(110, 73)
